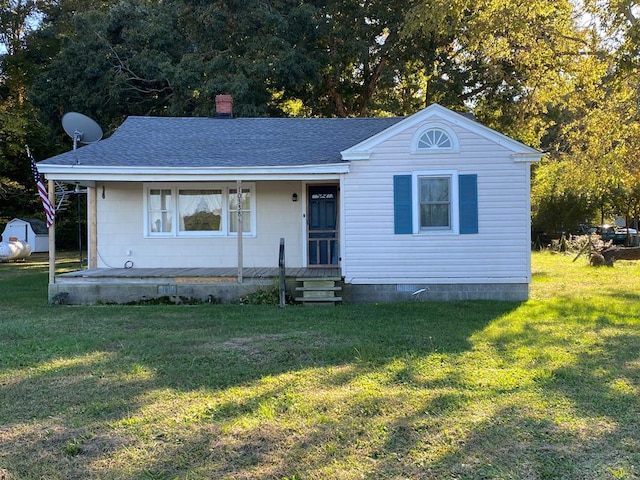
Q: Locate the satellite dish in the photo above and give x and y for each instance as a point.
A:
(81, 128)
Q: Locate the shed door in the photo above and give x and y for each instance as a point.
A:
(322, 220)
(20, 230)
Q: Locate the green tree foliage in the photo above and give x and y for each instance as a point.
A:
(537, 71)
(559, 202)
(511, 61)
(604, 148)
(618, 21)
(172, 58)
(17, 116)
(14, 25)
(361, 59)
(600, 136)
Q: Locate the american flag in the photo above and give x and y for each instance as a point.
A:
(49, 210)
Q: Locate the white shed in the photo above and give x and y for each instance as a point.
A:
(29, 230)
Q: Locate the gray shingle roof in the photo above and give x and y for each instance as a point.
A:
(38, 226)
(213, 142)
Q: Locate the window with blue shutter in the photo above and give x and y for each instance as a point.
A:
(402, 201)
(468, 195)
(466, 208)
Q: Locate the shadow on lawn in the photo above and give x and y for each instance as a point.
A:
(591, 392)
(68, 407)
(589, 430)
(106, 362)
(592, 435)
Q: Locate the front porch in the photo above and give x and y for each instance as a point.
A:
(125, 285)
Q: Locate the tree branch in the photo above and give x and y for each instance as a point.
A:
(330, 82)
(132, 77)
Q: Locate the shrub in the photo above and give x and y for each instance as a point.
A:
(268, 296)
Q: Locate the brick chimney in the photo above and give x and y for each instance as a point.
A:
(224, 106)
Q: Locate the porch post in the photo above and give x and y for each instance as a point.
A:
(51, 191)
(240, 229)
(92, 218)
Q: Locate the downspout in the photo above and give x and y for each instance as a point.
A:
(240, 229)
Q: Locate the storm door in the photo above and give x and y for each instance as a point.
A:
(322, 220)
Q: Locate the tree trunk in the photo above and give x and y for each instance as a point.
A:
(620, 253)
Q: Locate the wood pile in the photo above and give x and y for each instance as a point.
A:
(605, 253)
(617, 252)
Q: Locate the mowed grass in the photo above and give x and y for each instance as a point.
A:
(545, 389)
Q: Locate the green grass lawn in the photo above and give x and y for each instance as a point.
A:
(546, 389)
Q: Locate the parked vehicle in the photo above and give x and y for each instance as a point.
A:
(620, 236)
(585, 229)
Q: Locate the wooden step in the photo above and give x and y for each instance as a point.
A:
(318, 289)
(318, 299)
(318, 279)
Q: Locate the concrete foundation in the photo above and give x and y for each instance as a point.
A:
(455, 292)
(95, 293)
(228, 292)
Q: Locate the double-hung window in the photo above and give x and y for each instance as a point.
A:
(434, 201)
(160, 210)
(199, 210)
(245, 208)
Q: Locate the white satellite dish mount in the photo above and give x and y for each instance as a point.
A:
(81, 128)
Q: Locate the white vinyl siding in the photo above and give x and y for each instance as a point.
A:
(499, 253)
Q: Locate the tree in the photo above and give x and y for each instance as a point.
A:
(15, 17)
(559, 201)
(17, 117)
(360, 58)
(618, 22)
(172, 58)
(531, 70)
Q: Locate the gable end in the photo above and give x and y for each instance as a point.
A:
(520, 151)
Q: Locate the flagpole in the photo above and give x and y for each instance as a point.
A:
(52, 235)
(48, 199)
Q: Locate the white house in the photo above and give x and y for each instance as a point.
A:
(431, 206)
(29, 230)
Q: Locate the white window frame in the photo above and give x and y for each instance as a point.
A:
(252, 209)
(225, 223)
(453, 138)
(169, 211)
(454, 214)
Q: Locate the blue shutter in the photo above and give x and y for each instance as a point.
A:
(468, 199)
(402, 211)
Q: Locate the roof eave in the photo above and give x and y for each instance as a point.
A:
(527, 157)
(348, 155)
(136, 174)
